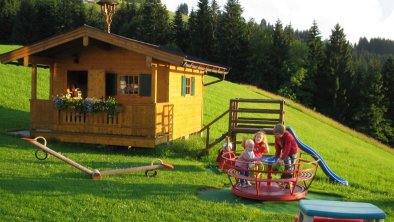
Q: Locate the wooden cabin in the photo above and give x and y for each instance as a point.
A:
(159, 92)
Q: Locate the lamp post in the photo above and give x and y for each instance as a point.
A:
(108, 9)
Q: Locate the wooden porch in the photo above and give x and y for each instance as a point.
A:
(137, 125)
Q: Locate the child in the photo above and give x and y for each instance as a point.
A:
(260, 144)
(245, 160)
(227, 151)
(286, 148)
(260, 148)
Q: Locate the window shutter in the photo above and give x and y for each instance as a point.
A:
(183, 86)
(110, 84)
(193, 85)
(145, 84)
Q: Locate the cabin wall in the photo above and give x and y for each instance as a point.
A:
(98, 60)
(188, 109)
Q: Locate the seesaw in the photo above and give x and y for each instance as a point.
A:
(95, 174)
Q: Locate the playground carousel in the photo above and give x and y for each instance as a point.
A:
(268, 180)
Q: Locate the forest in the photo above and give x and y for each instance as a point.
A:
(351, 83)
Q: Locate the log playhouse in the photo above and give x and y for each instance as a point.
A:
(96, 174)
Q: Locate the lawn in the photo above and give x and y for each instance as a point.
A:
(50, 190)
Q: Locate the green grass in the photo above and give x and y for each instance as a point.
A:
(53, 191)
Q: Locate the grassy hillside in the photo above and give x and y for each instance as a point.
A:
(53, 191)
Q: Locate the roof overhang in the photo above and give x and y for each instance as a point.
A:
(25, 54)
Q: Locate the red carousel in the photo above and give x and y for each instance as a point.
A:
(268, 180)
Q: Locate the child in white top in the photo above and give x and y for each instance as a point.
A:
(245, 161)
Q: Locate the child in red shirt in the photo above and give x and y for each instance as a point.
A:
(286, 148)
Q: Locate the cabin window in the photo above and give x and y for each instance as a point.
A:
(77, 83)
(129, 85)
(136, 85)
(188, 86)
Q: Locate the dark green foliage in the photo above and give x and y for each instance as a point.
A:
(388, 92)
(201, 31)
(279, 55)
(179, 32)
(154, 27)
(69, 14)
(232, 40)
(335, 81)
(258, 67)
(93, 17)
(183, 9)
(376, 45)
(370, 106)
(8, 12)
(126, 21)
(315, 62)
(24, 29)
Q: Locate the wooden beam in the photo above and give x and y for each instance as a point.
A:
(85, 41)
(41, 60)
(26, 61)
(154, 83)
(148, 62)
(34, 82)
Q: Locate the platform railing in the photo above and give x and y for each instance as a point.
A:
(270, 177)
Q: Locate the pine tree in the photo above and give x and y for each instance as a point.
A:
(126, 20)
(24, 31)
(179, 35)
(369, 115)
(388, 91)
(69, 15)
(314, 66)
(8, 12)
(335, 83)
(279, 54)
(258, 68)
(155, 25)
(232, 40)
(201, 31)
(183, 8)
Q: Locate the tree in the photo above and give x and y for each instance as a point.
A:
(258, 66)
(127, 20)
(183, 8)
(279, 54)
(8, 12)
(24, 31)
(155, 23)
(232, 40)
(179, 32)
(69, 15)
(335, 81)
(388, 85)
(201, 31)
(388, 91)
(369, 115)
(314, 65)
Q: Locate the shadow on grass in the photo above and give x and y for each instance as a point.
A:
(71, 186)
(290, 207)
(12, 119)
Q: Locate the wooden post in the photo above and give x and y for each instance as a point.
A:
(51, 76)
(34, 81)
(281, 115)
(154, 83)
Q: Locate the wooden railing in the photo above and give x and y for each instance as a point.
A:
(252, 115)
(102, 118)
(130, 119)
